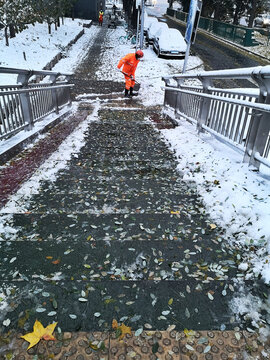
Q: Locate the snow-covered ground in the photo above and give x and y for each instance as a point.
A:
(40, 47)
(236, 198)
(149, 71)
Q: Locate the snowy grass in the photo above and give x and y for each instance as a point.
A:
(39, 47)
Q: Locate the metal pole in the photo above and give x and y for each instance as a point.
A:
(186, 58)
(138, 25)
(142, 25)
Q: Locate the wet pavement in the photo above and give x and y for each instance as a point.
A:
(118, 235)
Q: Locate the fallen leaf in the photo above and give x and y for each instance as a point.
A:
(212, 226)
(124, 330)
(93, 346)
(189, 332)
(55, 262)
(39, 333)
(49, 257)
(114, 324)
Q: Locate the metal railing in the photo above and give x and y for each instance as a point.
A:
(235, 33)
(23, 104)
(239, 117)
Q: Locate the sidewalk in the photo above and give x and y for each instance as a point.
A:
(112, 232)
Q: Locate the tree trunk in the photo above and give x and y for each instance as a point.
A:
(6, 35)
(58, 22)
(12, 32)
(55, 25)
(62, 20)
(49, 28)
(236, 16)
(252, 13)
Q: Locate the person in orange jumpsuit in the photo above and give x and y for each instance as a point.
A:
(129, 63)
(100, 17)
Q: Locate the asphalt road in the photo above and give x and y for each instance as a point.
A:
(217, 55)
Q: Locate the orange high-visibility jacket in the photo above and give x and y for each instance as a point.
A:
(130, 64)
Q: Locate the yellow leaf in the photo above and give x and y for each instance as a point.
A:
(39, 333)
(175, 212)
(170, 301)
(92, 346)
(124, 330)
(212, 226)
(114, 324)
(189, 332)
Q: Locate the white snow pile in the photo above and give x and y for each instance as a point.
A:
(237, 199)
(40, 47)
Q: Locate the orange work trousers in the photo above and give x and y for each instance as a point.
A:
(129, 82)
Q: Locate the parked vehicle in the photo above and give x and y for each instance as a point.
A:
(262, 20)
(148, 21)
(171, 43)
(160, 30)
(153, 29)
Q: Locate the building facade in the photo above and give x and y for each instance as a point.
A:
(88, 9)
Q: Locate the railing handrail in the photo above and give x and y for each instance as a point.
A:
(255, 106)
(7, 70)
(239, 115)
(245, 73)
(28, 101)
(45, 88)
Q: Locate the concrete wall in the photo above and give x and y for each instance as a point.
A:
(88, 9)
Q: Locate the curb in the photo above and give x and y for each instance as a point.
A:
(19, 146)
(227, 42)
(60, 55)
(23, 166)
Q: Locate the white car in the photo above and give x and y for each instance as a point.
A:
(148, 21)
(170, 43)
(154, 28)
(262, 20)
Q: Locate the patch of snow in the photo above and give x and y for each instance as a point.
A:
(236, 199)
(38, 46)
(149, 71)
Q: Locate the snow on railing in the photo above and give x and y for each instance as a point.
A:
(30, 100)
(239, 117)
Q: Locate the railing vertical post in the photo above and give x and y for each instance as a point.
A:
(178, 99)
(205, 104)
(259, 126)
(27, 112)
(69, 91)
(54, 93)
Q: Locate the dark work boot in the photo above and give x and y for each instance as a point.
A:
(126, 93)
(131, 91)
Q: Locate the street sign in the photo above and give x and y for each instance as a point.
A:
(193, 20)
(192, 25)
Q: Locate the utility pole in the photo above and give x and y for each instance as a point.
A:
(138, 26)
(142, 25)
